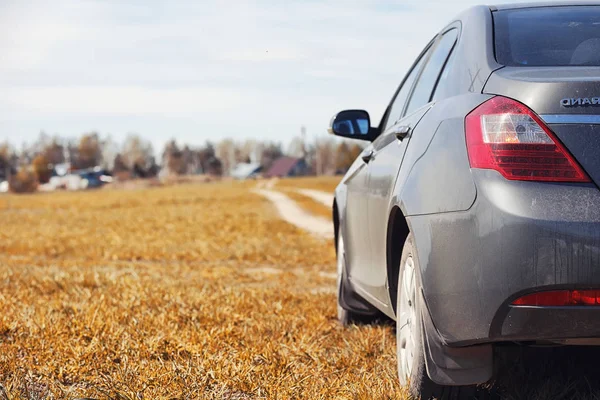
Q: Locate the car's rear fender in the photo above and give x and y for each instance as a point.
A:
(518, 237)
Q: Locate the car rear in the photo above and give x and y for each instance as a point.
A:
(525, 259)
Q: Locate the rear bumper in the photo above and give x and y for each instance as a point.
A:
(517, 237)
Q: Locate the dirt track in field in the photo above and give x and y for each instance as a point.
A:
(290, 212)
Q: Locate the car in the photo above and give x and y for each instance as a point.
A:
(472, 217)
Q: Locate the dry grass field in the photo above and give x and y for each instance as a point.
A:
(192, 291)
(198, 291)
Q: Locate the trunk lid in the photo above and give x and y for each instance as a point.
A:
(566, 98)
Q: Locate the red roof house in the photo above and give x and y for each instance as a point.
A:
(287, 166)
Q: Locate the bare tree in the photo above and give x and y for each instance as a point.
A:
(119, 164)
(8, 161)
(173, 159)
(72, 153)
(225, 152)
(138, 156)
(249, 151)
(25, 155)
(209, 161)
(42, 168)
(54, 152)
(270, 153)
(110, 150)
(89, 151)
(324, 158)
(206, 154)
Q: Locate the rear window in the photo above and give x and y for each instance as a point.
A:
(548, 36)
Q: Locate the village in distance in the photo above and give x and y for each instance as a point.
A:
(91, 161)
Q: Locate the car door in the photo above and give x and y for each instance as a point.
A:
(388, 153)
(356, 237)
(359, 251)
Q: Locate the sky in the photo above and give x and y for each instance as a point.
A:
(205, 69)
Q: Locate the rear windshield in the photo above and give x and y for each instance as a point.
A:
(548, 36)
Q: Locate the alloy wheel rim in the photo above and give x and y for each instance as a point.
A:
(407, 321)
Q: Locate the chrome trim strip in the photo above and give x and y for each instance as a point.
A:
(571, 119)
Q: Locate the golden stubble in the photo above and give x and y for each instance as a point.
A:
(191, 291)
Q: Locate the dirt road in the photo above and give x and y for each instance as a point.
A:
(293, 214)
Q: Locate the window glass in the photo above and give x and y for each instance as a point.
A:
(424, 87)
(440, 86)
(400, 99)
(548, 36)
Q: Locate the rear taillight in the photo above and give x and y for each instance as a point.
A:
(506, 136)
(560, 298)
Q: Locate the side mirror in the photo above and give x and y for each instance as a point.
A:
(353, 124)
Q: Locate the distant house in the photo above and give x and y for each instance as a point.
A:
(287, 166)
(246, 170)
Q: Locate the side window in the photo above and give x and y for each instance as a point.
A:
(400, 99)
(426, 83)
(440, 87)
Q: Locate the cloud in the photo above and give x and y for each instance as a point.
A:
(242, 68)
(120, 100)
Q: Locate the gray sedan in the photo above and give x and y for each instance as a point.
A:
(472, 218)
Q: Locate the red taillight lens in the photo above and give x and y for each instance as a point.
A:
(560, 298)
(506, 136)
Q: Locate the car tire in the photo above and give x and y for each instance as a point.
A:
(410, 351)
(347, 317)
(409, 325)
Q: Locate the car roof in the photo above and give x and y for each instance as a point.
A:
(544, 4)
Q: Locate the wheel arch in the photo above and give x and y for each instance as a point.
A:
(397, 233)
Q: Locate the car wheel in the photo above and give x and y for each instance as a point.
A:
(409, 338)
(346, 317)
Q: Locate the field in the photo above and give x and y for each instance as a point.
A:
(191, 291)
(200, 291)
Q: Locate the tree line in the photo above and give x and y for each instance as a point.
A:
(135, 156)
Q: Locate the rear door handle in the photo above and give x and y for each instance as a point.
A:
(401, 132)
(367, 156)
